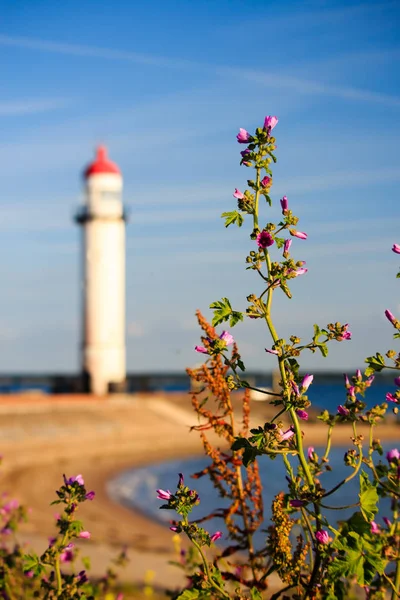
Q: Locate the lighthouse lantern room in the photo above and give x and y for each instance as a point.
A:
(102, 218)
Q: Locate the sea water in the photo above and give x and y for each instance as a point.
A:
(136, 489)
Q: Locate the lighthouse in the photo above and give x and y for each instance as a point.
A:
(102, 220)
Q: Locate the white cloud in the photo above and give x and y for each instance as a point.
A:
(270, 79)
(31, 106)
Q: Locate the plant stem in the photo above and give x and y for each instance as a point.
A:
(207, 569)
(295, 421)
(328, 443)
(396, 587)
(257, 197)
(242, 500)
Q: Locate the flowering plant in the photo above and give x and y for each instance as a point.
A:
(51, 575)
(305, 554)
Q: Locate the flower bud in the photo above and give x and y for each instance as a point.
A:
(286, 248)
(302, 414)
(396, 248)
(323, 537)
(307, 381)
(243, 137)
(238, 194)
(266, 181)
(270, 122)
(390, 316)
(284, 204)
(299, 234)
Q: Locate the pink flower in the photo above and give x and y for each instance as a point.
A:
(264, 239)
(346, 380)
(243, 137)
(358, 375)
(374, 527)
(342, 410)
(396, 248)
(266, 181)
(28, 573)
(238, 194)
(67, 556)
(390, 316)
(323, 537)
(370, 380)
(393, 455)
(201, 349)
(300, 272)
(181, 480)
(302, 414)
(286, 435)
(286, 247)
(226, 337)
(397, 381)
(270, 123)
(307, 381)
(163, 494)
(284, 204)
(173, 528)
(216, 536)
(346, 335)
(90, 495)
(351, 391)
(310, 452)
(71, 480)
(299, 234)
(272, 351)
(391, 398)
(85, 535)
(296, 503)
(387, 522)
(9, 506)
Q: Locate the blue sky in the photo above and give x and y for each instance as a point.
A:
(166, 85)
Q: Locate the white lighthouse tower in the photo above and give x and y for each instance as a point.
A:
(102, 218)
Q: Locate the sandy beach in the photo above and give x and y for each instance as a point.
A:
(43, 437)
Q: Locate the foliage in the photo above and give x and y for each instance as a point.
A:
(313, 557)
(54, 573)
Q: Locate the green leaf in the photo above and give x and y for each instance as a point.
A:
(368, 498)
(356, 523)
(376, 363)
(255, 594)
(279, 242)
(235, 317)
(240, 364)
(188, 595)
(324, 349)
(232, 217)
(223, 312)
(32, 563)
(240, 443)
(358, 557)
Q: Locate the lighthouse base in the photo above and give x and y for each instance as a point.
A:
(90, 386)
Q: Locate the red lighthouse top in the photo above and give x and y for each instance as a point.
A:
(101, 165)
